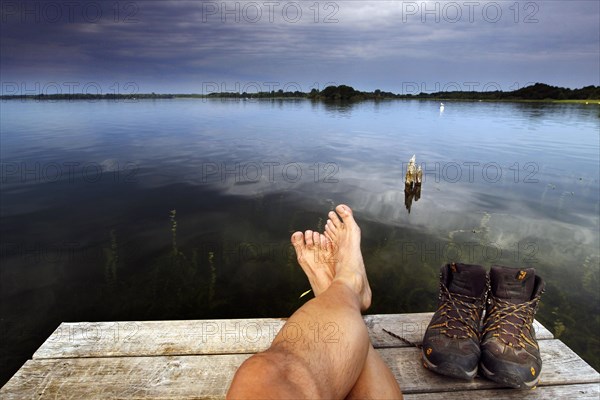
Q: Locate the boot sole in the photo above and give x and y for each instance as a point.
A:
(449, 369)
(508, 379)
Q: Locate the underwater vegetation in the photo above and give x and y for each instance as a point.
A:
(196, 281)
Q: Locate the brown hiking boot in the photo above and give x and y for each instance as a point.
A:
(509, 351)
(451, 341)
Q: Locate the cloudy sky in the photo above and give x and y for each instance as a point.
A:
(170, 46)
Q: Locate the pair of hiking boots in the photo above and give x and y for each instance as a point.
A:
(459, 338)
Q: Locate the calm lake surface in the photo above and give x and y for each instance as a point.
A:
(89, 188)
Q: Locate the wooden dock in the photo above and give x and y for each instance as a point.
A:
(197, 359)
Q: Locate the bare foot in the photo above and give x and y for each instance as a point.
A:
(349, 265)
(315, 255)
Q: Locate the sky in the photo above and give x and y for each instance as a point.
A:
(171, 46)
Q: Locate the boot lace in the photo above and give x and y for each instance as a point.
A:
(512, 323)
(461, 314)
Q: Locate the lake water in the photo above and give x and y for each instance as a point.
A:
(89, 188)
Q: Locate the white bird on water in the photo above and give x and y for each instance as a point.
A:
(441, 107)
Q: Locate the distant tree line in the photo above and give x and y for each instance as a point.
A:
(260, 95)
(86, 96)
(538, 91)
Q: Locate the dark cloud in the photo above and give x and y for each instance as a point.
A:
(180, 46)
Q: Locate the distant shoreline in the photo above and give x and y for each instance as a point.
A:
(538, 92)
(174, 97)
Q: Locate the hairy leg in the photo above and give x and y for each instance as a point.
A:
(316, 256)
(322, 348)
(376, 380)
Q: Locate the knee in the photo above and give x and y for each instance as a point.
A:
(254, 377)
(267, 375)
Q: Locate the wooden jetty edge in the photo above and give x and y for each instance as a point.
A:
(197, 360)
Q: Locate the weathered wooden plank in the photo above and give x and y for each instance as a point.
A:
(208, 376)
(173, 377)
(590, 391)
(412, 327)
(560, 366)
(147, 338)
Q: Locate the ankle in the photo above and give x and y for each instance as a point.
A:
(359, 287)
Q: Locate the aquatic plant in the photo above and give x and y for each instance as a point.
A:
(591, 275)
(111, 262)
(172, 216)
(213, 279)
